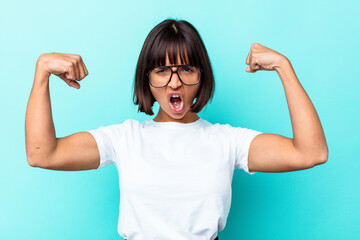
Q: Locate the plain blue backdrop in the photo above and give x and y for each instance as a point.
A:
(320, 38)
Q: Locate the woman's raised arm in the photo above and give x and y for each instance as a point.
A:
(75, 152)
(275, 153)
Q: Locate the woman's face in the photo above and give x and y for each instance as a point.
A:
(176, 111)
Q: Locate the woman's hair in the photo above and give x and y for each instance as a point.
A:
(174, 38)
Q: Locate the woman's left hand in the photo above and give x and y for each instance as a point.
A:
(263, 58)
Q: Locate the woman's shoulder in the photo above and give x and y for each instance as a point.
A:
(128, 123)
(216, 125)
(227, 127)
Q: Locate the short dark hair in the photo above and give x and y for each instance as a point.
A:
(172, 37)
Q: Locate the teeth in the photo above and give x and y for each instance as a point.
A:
(175, 95)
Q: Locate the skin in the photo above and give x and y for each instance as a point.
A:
(77, 151)
(165, 113)
(276, 153)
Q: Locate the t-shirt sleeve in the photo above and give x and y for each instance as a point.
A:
(242, 138)
(105, 138)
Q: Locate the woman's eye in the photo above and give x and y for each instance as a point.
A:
(160, 70)
(187, 69)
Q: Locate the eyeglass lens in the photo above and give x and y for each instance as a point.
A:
(160, 76)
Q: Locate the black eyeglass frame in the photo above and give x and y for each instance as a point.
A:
(176, 71)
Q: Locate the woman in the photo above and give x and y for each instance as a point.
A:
(175, 171)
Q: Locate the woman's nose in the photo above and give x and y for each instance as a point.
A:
(175, 81)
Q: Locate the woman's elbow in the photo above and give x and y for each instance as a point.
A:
(36, 161)
(322, 158)
(32, 161)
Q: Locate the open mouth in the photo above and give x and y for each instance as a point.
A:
(176, 103)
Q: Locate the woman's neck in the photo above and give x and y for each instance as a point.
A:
(164, 117)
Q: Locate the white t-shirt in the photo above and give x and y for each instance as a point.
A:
(175, 178)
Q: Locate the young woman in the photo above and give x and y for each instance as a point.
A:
(175, 171)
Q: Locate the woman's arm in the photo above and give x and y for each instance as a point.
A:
(276, 153)
(75, 152)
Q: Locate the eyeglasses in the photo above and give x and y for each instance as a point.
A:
(161, 76)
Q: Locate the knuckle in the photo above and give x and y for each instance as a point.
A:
(78, 57)
(69, 64)
(70, 75)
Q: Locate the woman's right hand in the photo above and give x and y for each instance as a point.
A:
(68, 67)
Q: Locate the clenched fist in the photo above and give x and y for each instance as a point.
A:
(68, 67)
(263, 58)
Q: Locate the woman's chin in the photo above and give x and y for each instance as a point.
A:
(178, 115)
(168, 114)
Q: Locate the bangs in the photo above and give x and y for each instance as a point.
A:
(173, 44)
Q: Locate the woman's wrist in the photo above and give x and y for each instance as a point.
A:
(282, 64)
(286, 72)
(41, 72)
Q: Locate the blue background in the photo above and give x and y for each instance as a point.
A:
(320, 38)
